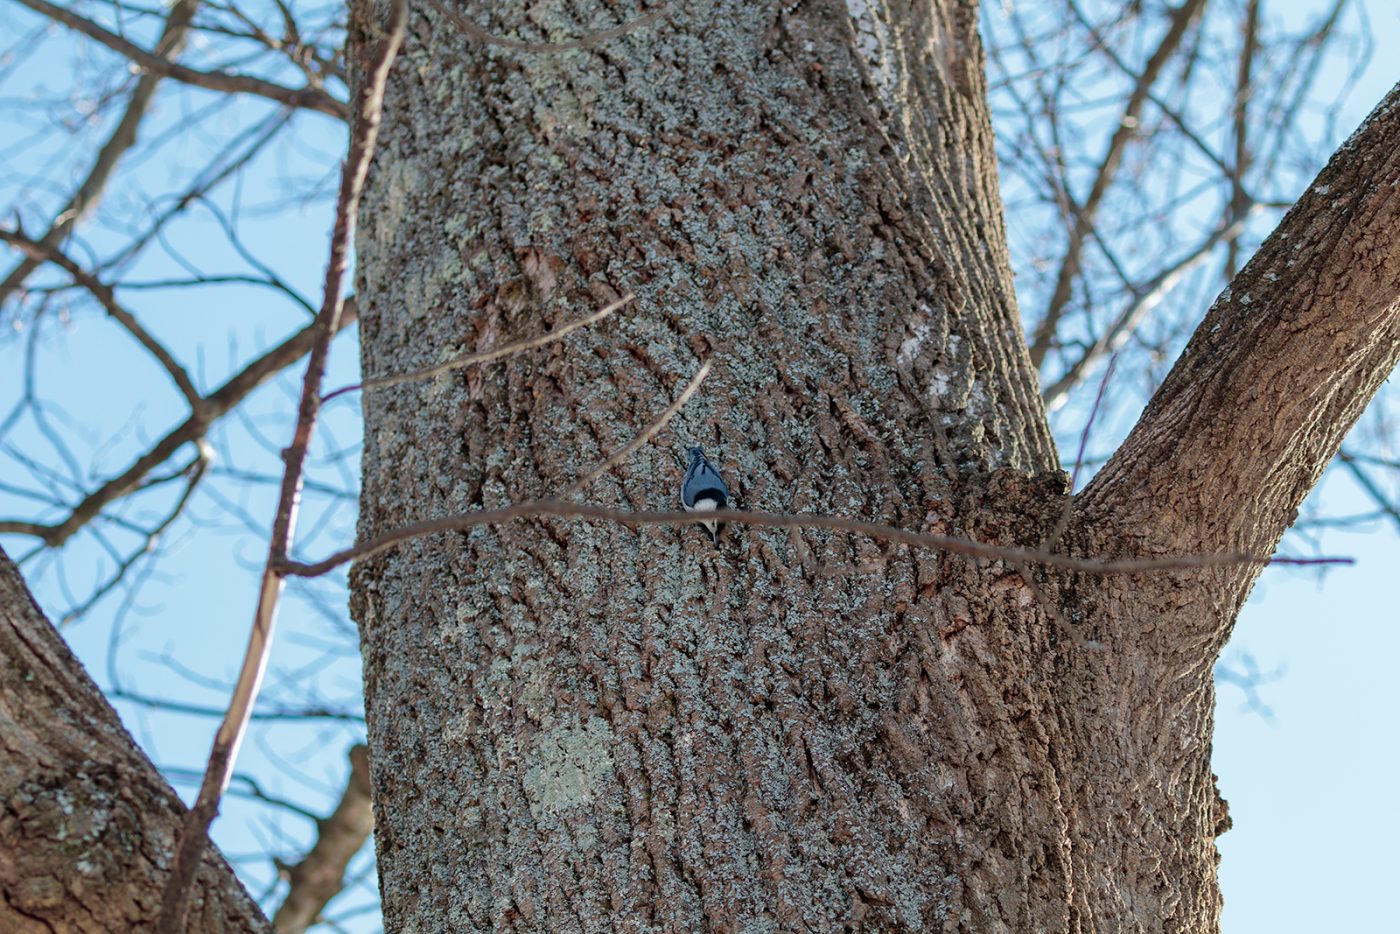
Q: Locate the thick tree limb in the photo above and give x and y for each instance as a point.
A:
(320, 876)
(1282, 366)
(938, 171)
(309, 98)
(86, 821)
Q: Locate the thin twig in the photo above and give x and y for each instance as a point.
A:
(119, 142)
(1181, 19)
(484, 356)
(41, 250)
(1084, 440)
(252, 790)
(545, 48)
(194, 834)
(641, 439)
(215, 405)
(212, 175)
(195, 472)
(1145, 298)
(309, 98)
(1052, 541)
(557, 509)
(195, 710)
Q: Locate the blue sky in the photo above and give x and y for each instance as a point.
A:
(1309, 785)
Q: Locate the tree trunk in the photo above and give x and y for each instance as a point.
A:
(87, 825)
(586, 726)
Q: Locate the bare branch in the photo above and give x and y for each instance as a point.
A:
(484, 356)
(197, 710)
(582, 482)
(1181, 19)
(225, 165)
(364, 134)
(1145, 298)
(320, 876)
(1171, 113)
(194, 472)
(309, 98)
(123, 137)
(215, 405)
(558, 509)
(40, 251)
(1248, 677)
(247, 787)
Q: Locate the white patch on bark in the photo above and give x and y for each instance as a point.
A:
(941, 382)
(875, 44)
(566, 766)
(942, 376)
(910, 347)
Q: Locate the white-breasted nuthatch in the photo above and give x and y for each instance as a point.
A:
(703, 490)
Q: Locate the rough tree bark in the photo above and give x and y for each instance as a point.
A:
(588, 727)
(87, 825)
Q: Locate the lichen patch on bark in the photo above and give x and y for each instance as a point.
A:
(565, 766)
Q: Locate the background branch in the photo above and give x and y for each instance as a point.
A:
(1083, 215)
(320, 875)
(212, 407)
(123, 137)
(364, 133)
(311, 98)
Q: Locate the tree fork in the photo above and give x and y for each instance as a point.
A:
(583, 727)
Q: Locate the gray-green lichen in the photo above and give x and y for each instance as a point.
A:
(567, 764)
